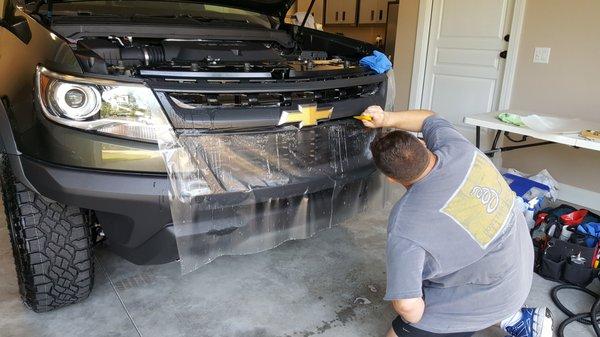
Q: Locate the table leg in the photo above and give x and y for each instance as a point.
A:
(496, 139)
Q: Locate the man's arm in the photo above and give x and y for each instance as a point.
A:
(407, 265)
(411, 309)
(410, 120)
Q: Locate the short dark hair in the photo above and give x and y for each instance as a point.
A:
(400, 155)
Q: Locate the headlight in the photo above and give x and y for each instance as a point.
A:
(74, 101)
(120, 109)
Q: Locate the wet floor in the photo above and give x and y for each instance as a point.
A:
(330, 285)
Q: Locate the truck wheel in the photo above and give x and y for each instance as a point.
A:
(52, 246)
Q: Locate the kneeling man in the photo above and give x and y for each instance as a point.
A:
(459, 254)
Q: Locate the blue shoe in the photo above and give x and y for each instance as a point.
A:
(536, 322)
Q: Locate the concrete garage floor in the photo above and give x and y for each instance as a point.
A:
(330, 285)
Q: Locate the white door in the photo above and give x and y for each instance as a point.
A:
(464, 69)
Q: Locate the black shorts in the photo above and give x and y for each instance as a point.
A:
(403, 329)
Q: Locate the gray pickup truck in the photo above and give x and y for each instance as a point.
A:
(79, 161)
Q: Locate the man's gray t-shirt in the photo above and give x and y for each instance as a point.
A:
(457, 239)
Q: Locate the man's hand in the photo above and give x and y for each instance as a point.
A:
(411, 309)
(410, 120)
(378, 117)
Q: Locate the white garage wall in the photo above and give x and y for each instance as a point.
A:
(408, 15)
(569, 85)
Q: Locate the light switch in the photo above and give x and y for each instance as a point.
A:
(541, 55)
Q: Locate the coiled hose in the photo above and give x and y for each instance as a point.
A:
(587, 318)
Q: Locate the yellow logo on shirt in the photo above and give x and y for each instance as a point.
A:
(483, 203)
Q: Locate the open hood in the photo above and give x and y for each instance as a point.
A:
(276, 8)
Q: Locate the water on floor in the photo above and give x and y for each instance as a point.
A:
(330, 285)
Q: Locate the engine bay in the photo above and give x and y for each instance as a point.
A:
(205, 58)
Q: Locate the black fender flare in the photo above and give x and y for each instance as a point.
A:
(7, 138)
(8, 145)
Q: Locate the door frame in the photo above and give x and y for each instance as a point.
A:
(422, 44)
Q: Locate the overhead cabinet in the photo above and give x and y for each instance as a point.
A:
(373, 11)
(340, 12)
(344, 11)
(317, 10)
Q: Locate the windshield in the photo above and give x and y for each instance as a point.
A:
(162, 9)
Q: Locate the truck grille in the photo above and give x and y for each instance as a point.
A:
(269, 99)
(246, 107)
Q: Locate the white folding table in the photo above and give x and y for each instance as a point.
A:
(490, 121)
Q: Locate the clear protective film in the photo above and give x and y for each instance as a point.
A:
(241, 193)
(390, 98)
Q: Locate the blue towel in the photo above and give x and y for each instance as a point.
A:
(378, 62)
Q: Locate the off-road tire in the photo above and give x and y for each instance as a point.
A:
(52, 246)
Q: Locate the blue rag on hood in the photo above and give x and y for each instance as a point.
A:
(592, 230)
(378, 62)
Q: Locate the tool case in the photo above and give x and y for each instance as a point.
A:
(565, 252)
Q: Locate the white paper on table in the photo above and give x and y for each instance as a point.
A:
(558, 125)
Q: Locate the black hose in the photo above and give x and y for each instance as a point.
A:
(594, 315)
(147, 54)
(587, 318)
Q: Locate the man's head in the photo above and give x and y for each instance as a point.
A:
(400, 156)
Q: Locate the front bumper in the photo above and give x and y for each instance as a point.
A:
(134, 209)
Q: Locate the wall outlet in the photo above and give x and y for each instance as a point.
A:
(541, 55)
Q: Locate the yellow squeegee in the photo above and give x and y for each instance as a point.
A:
(364, 118)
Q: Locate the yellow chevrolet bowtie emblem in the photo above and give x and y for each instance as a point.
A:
(306, 115)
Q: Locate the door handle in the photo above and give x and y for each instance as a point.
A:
(344, 16)
(504, 54)
(337, 16)
(507, 37)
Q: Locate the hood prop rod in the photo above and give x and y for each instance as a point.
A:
(310, 7)
(50, 9)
